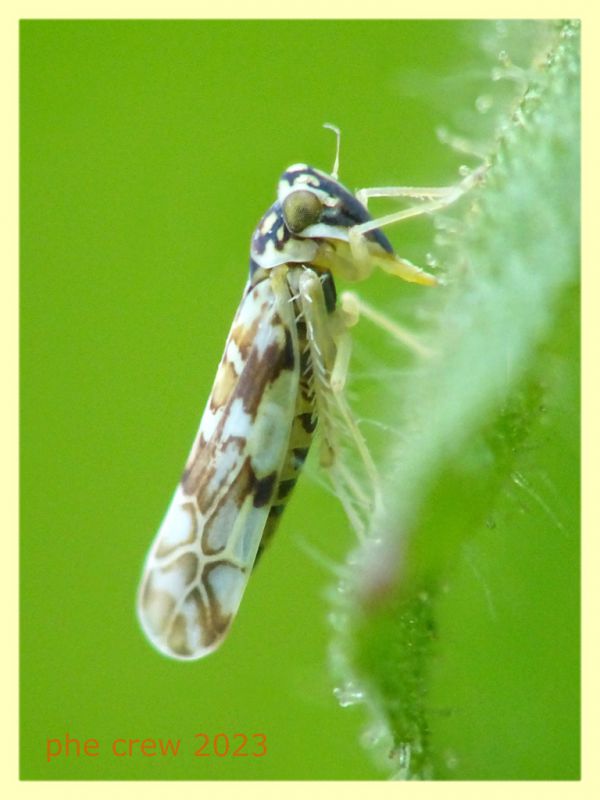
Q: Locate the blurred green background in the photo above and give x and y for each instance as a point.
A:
(149, 150)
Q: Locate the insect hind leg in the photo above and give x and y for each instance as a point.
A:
(358, 488)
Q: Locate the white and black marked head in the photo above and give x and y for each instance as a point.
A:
(310, 223)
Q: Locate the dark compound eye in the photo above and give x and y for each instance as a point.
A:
(301, 209)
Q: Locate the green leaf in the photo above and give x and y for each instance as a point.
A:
(458, 621)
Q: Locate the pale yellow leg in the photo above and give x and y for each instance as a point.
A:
(365, 252)
(362, 308)
(438, 198)
(413, 192)
(330, 344)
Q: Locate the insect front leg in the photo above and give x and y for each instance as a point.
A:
(433, 199)
(437, 197)
(412, 192)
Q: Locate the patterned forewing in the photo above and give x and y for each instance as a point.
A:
(303, 427)
(199, 564)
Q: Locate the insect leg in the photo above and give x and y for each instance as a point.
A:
(356, 307)
(413, 192)
(435, 199)
(330, 344)
(438, 198)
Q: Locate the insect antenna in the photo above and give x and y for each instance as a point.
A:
(338, 136)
